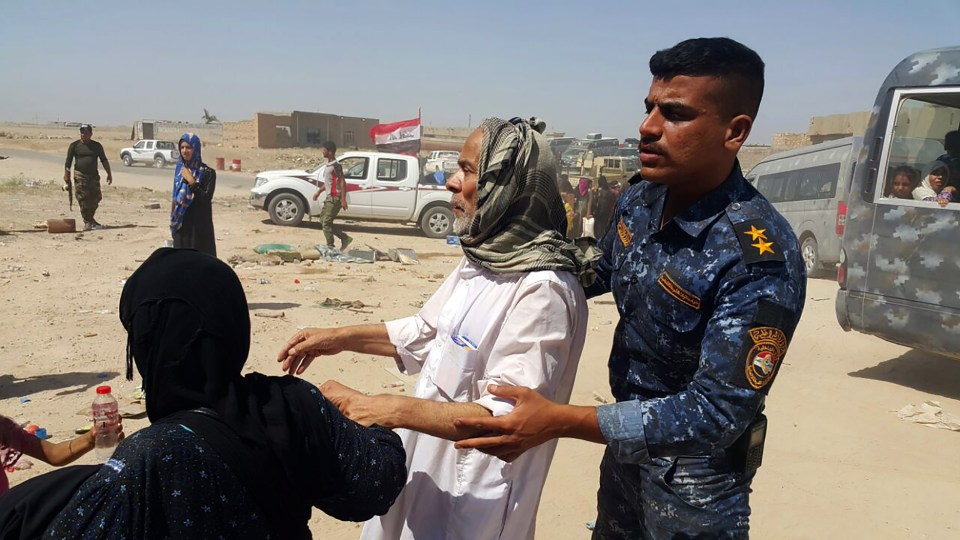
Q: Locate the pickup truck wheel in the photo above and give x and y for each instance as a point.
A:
(127, 160)
(159, 162)
(437, 222)
(286, 209)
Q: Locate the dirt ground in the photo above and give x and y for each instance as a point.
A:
(838, 464)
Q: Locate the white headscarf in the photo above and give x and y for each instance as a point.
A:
(925, 190)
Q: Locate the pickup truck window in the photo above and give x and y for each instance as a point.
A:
(150, 145)
(139, 144)
(393, 170)
(354, 167)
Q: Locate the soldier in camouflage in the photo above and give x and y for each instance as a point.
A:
(710, 285)
(86, 178)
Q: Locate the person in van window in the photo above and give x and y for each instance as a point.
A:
(932, 187)
(902, 181)
(951, 143)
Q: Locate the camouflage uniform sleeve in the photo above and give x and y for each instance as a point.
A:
(744, 342)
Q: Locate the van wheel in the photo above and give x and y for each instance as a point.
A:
(811, 256)
(437, 222)
(286, 209)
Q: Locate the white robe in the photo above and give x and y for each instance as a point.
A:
(529, 330)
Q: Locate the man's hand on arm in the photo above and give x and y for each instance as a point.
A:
(533, 421)
(393, 411)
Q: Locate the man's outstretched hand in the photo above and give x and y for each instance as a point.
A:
(306, 345)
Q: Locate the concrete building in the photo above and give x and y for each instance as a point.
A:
(306, 129)
(837, 126)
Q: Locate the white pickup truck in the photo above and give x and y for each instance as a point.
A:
(380, 187)
(151, 151)
(441, 160)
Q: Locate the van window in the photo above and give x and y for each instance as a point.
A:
(808, 184)
(923, 123)
(391, 169)
(772, 186)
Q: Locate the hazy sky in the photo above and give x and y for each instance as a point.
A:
(581, 66)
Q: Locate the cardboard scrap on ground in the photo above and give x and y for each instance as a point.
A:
(930, 414)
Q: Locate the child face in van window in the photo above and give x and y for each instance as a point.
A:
(937, 179)
(902, 187)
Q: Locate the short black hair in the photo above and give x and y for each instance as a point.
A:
(952, 141)
(330, 145)
(723, 58)
(905, 170)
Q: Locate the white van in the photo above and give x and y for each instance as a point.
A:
(808, 186)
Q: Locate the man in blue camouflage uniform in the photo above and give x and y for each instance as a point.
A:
(710, 285)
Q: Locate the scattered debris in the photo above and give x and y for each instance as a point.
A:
(263, 281)
(334, 255)
(84, 428)
(152, 204)
(280, 315)
(417, 303)
(395, 384)
(45, 273)
(453, 240)
(90, 334)
(599, 398)
(407, 256)
(265, 249)
(930, 414)
(24, 399)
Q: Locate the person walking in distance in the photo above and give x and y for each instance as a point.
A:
(82, 156)
(336, 188)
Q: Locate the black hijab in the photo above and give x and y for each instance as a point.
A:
(189, 334)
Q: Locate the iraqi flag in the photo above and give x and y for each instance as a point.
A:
(398, 137)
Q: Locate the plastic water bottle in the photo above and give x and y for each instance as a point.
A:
(106, 417)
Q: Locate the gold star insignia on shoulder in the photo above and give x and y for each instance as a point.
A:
(756, 233)
(754, 243)
(764, 247)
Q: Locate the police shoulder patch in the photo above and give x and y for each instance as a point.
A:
(764, 346)
(756, 245)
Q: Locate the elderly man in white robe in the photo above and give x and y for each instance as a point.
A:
(511, 312)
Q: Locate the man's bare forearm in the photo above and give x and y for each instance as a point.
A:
(430, 417)
(367, 339)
